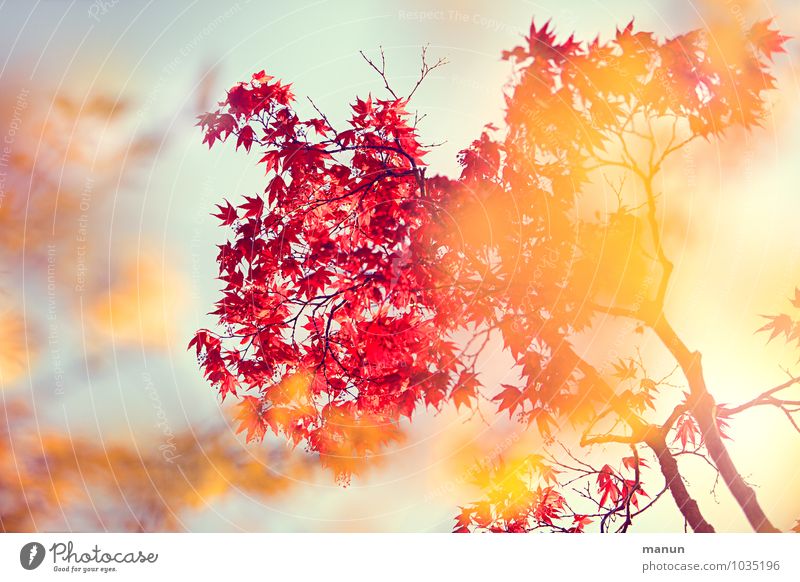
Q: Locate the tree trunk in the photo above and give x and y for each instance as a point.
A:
(703, 409)
(669, 468)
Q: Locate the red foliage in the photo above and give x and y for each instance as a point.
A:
(350, 277)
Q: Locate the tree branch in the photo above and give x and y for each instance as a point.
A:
(608, 438)
(765, 397)
(381, 71)
(703, 409)
(666, 265)
(425, 69)
(669, 468)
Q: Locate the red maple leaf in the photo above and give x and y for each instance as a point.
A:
(246, 136)
(607, 486)
(509, 398)
(778, 324)
(686, 430)
(580, 522)
(254, 206)
(250, 418)
(767, 41)
(227, 214)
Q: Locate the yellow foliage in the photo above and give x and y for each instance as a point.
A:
(143, 305)
(17, 348)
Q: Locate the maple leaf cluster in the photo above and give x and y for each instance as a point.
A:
(525, 496)
(333, 300)
(512, 505)
(714, 78)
